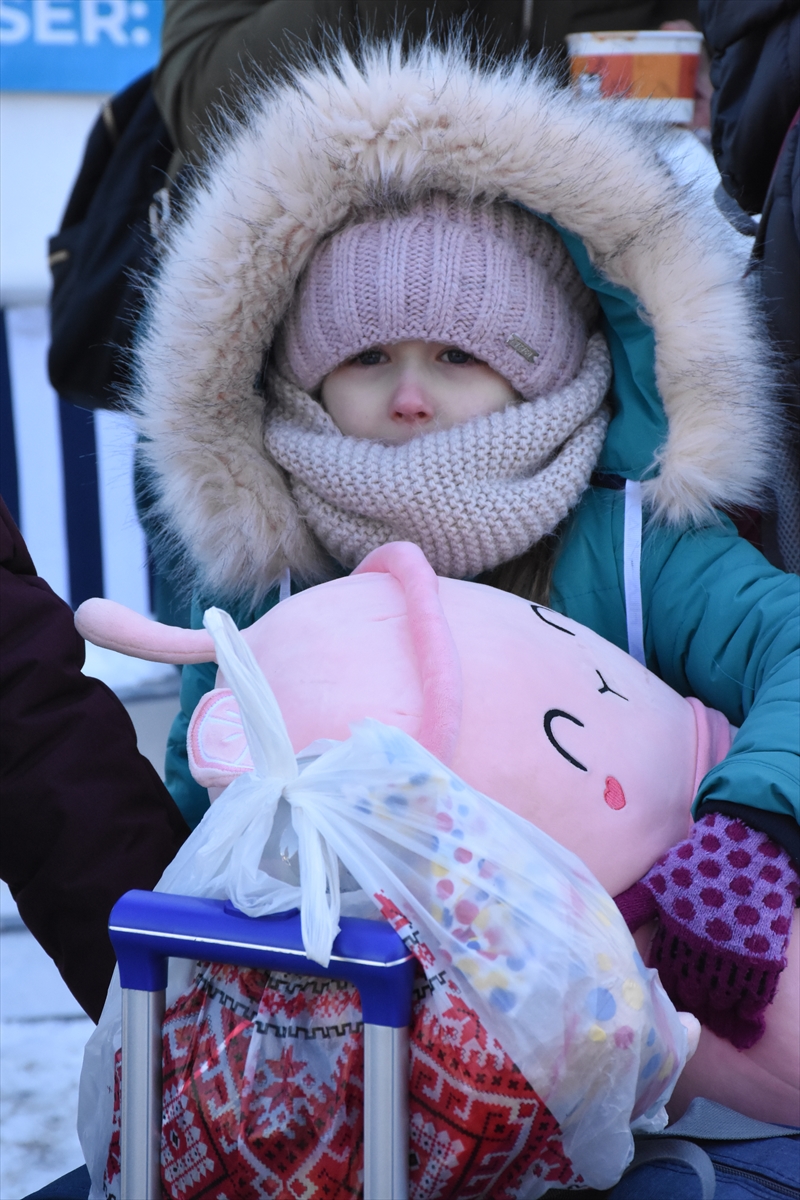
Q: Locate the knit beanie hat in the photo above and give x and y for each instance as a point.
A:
(493, 280)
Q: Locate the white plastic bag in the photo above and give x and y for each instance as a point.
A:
(535, 945)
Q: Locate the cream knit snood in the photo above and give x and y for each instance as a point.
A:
(471, 497)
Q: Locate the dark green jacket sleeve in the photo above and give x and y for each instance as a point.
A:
(724, 626)
(209, 46)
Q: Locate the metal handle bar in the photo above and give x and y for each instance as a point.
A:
(147, 928)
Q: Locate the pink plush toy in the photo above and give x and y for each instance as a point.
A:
(525, 705)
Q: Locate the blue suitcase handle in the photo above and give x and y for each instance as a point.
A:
(147, 928)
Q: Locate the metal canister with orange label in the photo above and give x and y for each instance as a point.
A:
(654, 67)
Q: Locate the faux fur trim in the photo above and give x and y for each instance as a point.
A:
(343, 136)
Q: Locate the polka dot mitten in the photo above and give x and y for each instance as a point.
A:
(724, 901)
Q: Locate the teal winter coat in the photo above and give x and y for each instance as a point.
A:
(693, 415)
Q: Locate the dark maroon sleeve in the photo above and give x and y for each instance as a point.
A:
(84, 817)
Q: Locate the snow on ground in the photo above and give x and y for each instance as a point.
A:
(42, 1034)
(40, 1071)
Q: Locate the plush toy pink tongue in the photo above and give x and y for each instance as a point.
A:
(437, 657)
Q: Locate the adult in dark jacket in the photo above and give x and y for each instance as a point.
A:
(84, 815)
(755, 72)
(207, 47)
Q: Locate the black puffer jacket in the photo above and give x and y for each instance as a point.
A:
(84, 817)
(755, 71)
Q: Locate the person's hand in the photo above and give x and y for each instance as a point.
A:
(702, 88)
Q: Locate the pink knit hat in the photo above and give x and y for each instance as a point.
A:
(491, 279)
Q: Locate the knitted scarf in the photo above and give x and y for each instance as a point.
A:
(471, 497)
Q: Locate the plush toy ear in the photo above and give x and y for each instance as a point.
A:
(216, 741)
(106, 623)
(437, 656)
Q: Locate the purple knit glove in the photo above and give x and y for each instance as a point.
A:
(724, 901)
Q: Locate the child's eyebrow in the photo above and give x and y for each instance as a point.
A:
(538, 612)
(606, 688)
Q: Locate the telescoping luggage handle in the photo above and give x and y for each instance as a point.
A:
(147, 928)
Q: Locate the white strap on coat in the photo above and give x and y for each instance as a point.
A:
(285, 585)
(632, 563)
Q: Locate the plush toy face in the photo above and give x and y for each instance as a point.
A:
(582, 740)
(555, 722)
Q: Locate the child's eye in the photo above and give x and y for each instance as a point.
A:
(370, 358)
(457, 357)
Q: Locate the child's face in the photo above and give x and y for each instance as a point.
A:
(392, 393)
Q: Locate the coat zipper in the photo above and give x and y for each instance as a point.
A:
(771, 1185)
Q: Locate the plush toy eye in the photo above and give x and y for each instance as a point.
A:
(553, 625)
(549, 717)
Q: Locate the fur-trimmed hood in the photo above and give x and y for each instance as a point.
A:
(693, 384)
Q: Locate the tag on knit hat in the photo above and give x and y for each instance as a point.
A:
(528, 353)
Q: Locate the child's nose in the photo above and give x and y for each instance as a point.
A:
(410, 404)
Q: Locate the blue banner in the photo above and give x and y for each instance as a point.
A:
(77, 45)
